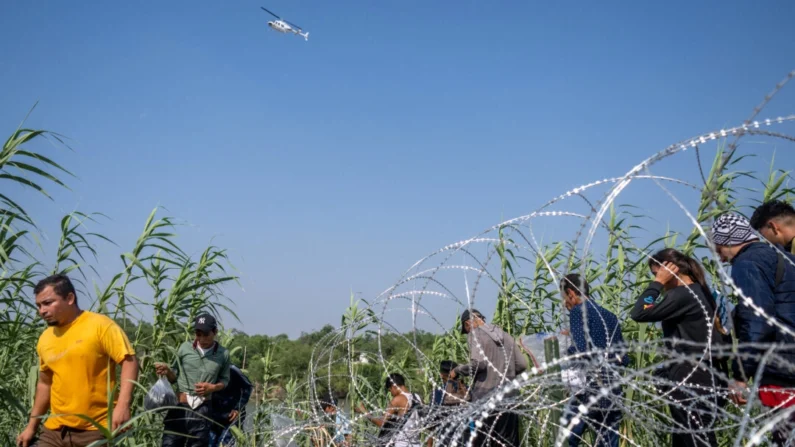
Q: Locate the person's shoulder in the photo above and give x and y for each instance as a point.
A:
(185, 346)
(99, 320)
(606, 312)
(223, 351)
(96, 317)
(759, 252)
(47, 336)
(684, 292)
(399, 400)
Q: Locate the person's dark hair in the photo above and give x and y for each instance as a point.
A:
(394, 379)
(690, 267)
(446, 366)
(771, 210)
(61, 285)
(687, 266)
(574, 282)
(324, 404)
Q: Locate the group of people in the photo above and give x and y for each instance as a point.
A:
(701, 366)
(495, 359)
(80, 351)
(79, 354)
(680, 300)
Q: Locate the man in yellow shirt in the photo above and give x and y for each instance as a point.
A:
(78, 354)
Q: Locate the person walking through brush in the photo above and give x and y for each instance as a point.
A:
(400, 424)
(603, 333)
(78, 355)
(342, 426)
(680, 299)
(495, 360)
(452, 393)
(765, 314)
(775, 220)
(200, 369)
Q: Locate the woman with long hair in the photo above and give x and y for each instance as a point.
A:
(680, 300)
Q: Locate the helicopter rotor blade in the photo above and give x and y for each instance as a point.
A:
(274, 15)
(292, 24)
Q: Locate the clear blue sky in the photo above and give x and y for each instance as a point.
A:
(399, 127)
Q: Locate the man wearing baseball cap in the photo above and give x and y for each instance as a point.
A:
(200, 369)
(766, 280)
(495, 360)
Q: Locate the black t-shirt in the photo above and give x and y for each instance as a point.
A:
(684, 312)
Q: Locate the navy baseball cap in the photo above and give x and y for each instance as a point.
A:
(204, 322)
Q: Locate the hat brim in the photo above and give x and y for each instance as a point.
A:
(203, 327)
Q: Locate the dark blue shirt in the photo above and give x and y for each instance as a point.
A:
(754, 271)
(603, 330)
(234, 396)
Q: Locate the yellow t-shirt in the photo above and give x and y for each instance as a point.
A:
(81, 357)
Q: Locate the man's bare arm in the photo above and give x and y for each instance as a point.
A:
(129, 375)
(42, 401)
(397, 404)
(41, 404)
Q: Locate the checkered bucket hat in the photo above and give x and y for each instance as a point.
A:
(731, 229)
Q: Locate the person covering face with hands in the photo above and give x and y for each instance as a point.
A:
(680, 300)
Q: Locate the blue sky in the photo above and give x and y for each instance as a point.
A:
(332, 165)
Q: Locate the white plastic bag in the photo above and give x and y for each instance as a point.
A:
(160, 395)
(534, 345)
(282, 427)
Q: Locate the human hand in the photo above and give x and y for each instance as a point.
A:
(666, 272)
(565, 332)
(360, 408)
(737, 389)
(121, 415)
(162, 369)
(204, 388)
(25, 439)
(233, 415)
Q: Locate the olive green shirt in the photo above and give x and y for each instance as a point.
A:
(191, 367)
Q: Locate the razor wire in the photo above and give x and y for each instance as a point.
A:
(459, 274)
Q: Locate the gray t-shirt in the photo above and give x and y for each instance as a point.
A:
(495, 359)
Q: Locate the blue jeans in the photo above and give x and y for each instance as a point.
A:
(223, 435)
(218, 436)
(603, 419)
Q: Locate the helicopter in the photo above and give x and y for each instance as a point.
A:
(283, 26)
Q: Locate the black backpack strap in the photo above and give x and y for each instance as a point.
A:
(780, 266)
